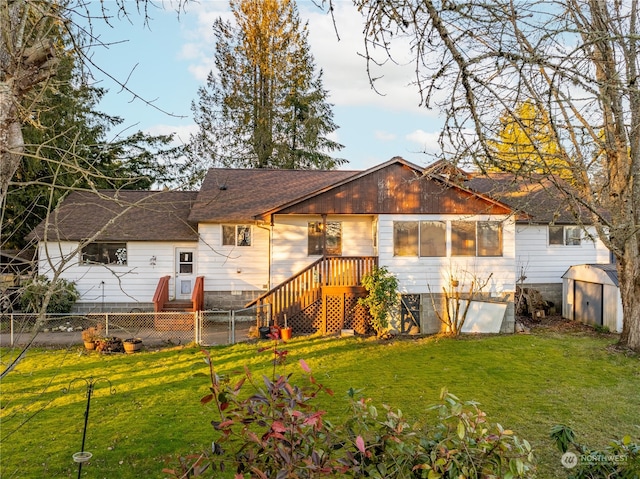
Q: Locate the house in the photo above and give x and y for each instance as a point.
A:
(300, 241)
(553, 231)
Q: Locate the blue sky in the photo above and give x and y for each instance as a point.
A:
(167, 61)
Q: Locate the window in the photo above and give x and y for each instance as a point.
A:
(433, 238)
(489, 234)
(236, 235)
(565, 235)
(429, 238)
(316, 238)
(105, 253)
(482, 238)
(463, 238)
(405, 238)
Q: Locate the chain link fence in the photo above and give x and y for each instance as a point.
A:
(206, 328)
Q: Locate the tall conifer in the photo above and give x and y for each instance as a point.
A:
(264, 107)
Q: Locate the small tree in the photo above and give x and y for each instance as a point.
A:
(383, 296)
(457, 302)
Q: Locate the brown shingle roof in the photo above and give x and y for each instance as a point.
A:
(134, 216)
(241, 195)
(537, 197)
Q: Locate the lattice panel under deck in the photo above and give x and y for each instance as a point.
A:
(356, 316)
(335, 314)
(307, 321)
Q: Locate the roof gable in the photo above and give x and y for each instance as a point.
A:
(236, 195)
(394, 187)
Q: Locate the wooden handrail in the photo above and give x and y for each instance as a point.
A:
(161, 295)
(197, 297)
(304, 288)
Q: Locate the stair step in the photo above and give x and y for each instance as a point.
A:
(177, 306)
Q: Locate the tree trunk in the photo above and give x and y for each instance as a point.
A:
(11, 142)
(629, 281)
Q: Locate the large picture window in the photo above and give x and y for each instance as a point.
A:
(316, 237)
(424, 238)
(105, 253)
(433, 238)
(236, 235)
(405, 238)
(489, 236)
(463, 238)
(565, 235)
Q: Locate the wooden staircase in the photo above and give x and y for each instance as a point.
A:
(302, 298)
(161, 297)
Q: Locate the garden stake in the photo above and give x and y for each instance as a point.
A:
(83, 456)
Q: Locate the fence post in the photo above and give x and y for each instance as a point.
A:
(196, 327)
(232, 318)
(106, 324)
(11, 327)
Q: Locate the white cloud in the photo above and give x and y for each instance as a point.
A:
(428, 141)
(385, 135)
(181, 132)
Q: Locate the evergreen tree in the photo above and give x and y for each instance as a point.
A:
(66, 148)
(265, 107)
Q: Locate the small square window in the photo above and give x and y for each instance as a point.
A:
(236, 235)
(565, 235)
(332, 238)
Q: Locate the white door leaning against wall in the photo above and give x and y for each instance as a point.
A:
(185, 272)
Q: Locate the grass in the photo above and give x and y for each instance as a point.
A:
(525, 382)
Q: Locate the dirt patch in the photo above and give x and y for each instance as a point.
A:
(558, 324)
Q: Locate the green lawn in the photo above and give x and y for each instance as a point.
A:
(525, 382)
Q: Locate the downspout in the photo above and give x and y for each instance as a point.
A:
(269, 228)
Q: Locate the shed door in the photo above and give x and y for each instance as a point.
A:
(588, 303)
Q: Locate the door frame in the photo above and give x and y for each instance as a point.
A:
(179, 277)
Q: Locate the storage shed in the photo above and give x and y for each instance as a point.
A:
(592, 295)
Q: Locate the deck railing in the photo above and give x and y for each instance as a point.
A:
(161, 295)
(303, 289)
(197, 297)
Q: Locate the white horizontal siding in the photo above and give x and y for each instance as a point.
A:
(233, 268)
(134, 282)
(422, 274)
(544, 263)
(290, 240)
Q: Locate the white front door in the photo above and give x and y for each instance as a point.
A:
(185, 272)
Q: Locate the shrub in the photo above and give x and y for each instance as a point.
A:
(383, 296)
(275, 431)
(63, 295)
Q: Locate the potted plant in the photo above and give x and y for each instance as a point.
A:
(285, 333)
(89, 337)
(131, 345)
(109, 345)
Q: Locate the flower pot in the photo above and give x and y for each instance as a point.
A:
(90, 345)
(285, 334)
(264, 332)
(132, 345)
